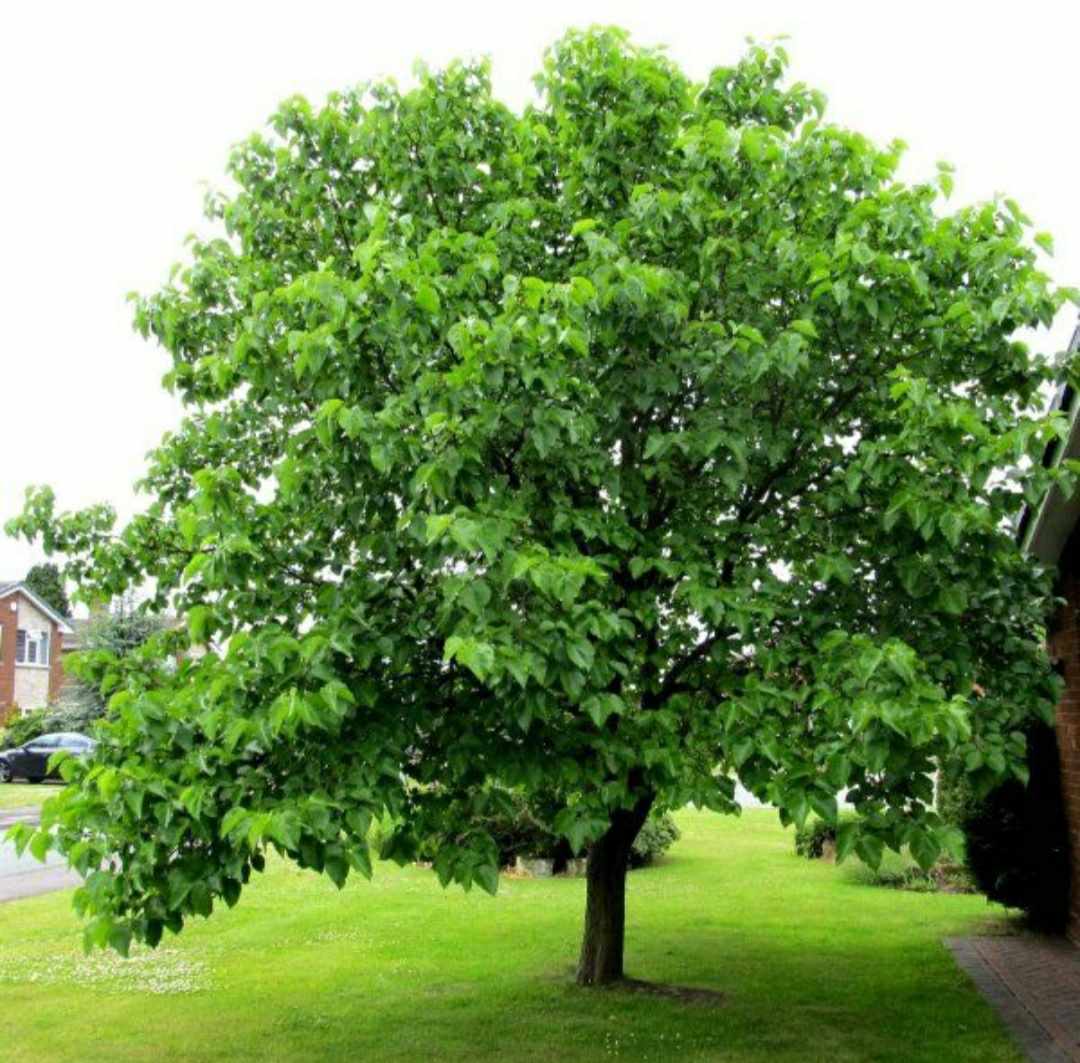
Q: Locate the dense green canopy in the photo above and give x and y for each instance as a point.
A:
(46, 582)
(647, 439)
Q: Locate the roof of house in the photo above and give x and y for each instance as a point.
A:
(1044, 531)
(74, 640)
(9, 587)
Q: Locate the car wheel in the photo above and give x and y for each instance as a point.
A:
(5, 772)
(35, 778)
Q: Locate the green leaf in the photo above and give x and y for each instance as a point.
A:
(600, 707)
(869, 849)
(953, 599)
(436, 526)
(234, 821)
(477, 656)
(581, 653)
(847, 836)
(427, 298)
(200, 618)
(654, 446)
(120, 938)
(40, 844)
(336, 865)
(824, 806)
(924, 847)
(487, 875)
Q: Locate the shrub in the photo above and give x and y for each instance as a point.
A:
(815, 835)
(1016, 837)
(943, 877)
(24, 726)
(522, 828)
(896, 871)
(956, 798)
(659, 834)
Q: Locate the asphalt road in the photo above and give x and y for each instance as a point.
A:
(24, 876)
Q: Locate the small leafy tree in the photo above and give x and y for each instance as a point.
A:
(47, 583)
(108, 636)
(643, 440)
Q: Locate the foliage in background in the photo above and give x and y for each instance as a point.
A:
(1016, 837)
(643, 440)
(956, 797)
(521, 825)
(658, 834)
(106, 638)
(812, 838)
(22, 726)
(817, 839)
(47, 583)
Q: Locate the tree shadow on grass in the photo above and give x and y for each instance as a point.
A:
(680, 993)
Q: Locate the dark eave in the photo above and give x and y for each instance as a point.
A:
(1043, 532)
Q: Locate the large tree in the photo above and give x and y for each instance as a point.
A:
(47, 583)
(648, 439)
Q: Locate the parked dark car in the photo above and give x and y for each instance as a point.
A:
(31, 761)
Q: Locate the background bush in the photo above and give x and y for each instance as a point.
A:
(896, 871)
(1016, 837)
(659, 834)
(813, 836)
(25, 725)
(523, 828)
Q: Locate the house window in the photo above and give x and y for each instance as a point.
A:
(32, 647)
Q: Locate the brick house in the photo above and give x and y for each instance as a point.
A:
(32, 638)
(1051, 534)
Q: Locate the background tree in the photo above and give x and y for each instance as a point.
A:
(645, 440)
(47, 583)
(108, 635)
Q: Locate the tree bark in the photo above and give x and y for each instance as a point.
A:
(601, 960)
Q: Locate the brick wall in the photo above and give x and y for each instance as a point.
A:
(56, 662)
(9, 624)
(1065, 647)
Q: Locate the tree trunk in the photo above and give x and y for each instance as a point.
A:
(601, 960)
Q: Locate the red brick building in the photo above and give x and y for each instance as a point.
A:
(31, 649)
(1052, 534)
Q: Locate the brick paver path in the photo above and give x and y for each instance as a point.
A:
(1034, 985)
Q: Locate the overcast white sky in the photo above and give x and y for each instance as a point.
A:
(115, 114)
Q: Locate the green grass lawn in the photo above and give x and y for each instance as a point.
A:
(814, 965)
(22, 795)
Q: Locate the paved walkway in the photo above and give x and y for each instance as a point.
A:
(24, 876)
(1034, 985)
(9, 816)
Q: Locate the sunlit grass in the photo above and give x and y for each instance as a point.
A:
(813, 965)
